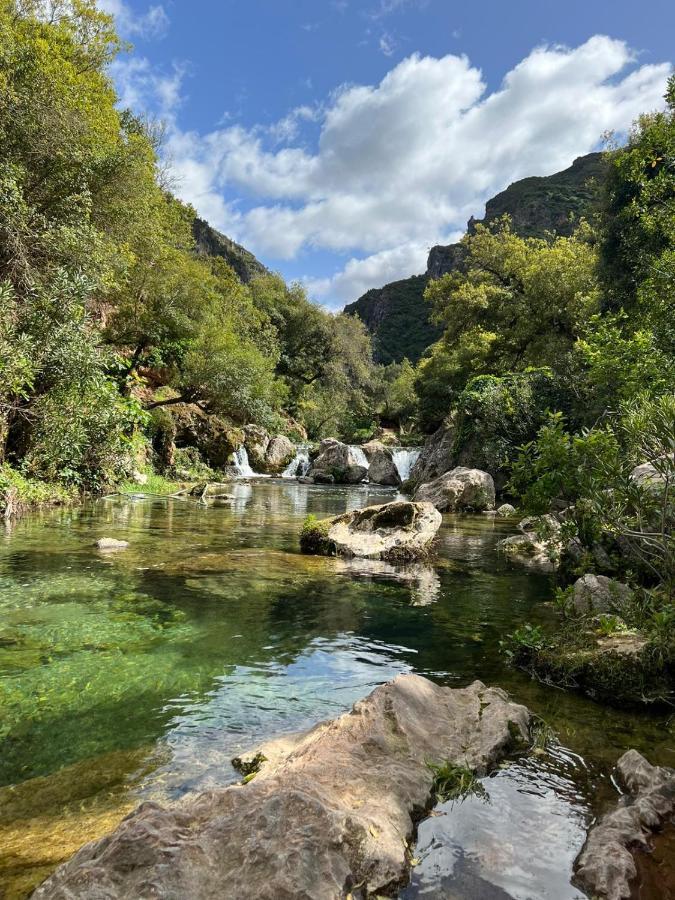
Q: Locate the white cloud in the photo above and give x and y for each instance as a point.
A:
(359, 275)
(399, 164)
(387, 44)
(151, 24)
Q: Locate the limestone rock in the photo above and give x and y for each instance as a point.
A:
(111, 544)
(139, 478)
(280, 451)
(506, 510)
(328, 810)
(382, 468)
(597, 593)
(605, 867)
(437, 456)
(647, 476)
(459, 489)
(395, 531)
(538, 547)
(339, 460)
(256, 442)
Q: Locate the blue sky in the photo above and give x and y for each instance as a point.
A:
(339, 140)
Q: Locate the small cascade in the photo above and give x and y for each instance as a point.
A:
(299, 465)
(404, 459)
(358, 456)
(241, 463)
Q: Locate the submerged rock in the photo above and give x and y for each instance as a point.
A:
(399, 530)
(606, 868)
(108, 544)
(459, 489)
(597, 593)
(324, 814)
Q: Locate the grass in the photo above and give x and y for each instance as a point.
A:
(455, 783)
(19, 493)
(156, 484)
(314, 536)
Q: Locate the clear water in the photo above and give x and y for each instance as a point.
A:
(140, 674)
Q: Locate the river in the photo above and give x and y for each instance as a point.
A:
(139, 675)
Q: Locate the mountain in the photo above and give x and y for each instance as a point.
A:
(212, 243)
(397, 316)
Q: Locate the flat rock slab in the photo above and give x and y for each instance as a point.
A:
(329, 813)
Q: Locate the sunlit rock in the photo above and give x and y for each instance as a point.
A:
(320, 812)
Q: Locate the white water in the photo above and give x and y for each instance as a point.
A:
(358, 456)
(404, 460)
(299, 465)
(241, 463)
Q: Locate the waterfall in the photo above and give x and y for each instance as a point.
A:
(299, 465)
(358, 457)
(404, 460)
(241, 463)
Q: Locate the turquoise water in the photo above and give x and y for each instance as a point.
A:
(141, 673)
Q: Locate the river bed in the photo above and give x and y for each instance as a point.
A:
(139, 675)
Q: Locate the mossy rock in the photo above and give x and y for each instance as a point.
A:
(314, 537)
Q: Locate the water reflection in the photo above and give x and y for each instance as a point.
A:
(212, 632)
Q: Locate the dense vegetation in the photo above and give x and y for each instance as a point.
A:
(555, 371)
(109, 310)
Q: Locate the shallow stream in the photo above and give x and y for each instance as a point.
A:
(140, 674)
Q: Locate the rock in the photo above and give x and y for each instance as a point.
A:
(527, 551)
(538, 547)
(109, 544)
(280, 451)
(322, 478)
(437, 456)
(597, 593)
(623, 643)
(459, 489)
(506, 510)
(605, 867)
(306, 479)
(339, 460)
(140, 478)
(353, 474)
(382, 468)
(256, 442)
(647, 476)
(328, 809)
(394, 531)
(212, 490)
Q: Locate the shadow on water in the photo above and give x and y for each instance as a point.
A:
(140, 674)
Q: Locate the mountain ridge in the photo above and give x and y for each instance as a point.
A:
(396, 314)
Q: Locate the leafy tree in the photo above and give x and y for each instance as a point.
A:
(520, 302)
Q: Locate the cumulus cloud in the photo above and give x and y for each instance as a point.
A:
(404, 163)
(151, 24)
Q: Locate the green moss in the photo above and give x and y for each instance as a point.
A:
(314, 536)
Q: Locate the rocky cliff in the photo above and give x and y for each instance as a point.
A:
(397, 316)
(212, 243)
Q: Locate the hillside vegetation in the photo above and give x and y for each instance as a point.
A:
(396, 316)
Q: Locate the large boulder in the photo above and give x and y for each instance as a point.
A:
(382, 469)
(339, 460)
(459, 489)
(395, 531)
(599, 594)
(256, 442)
(280, 451)
(437, 457)
(606, 868)
(322, 813)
